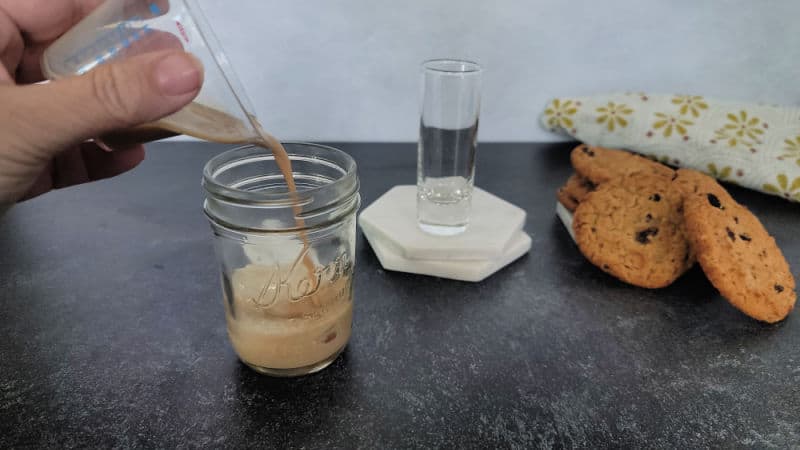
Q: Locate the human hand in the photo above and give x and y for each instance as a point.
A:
(44, 127)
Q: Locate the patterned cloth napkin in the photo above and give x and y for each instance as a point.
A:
(755, 146)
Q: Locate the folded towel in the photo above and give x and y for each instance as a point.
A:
(755, 146)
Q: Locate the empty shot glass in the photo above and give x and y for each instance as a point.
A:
(447, 145)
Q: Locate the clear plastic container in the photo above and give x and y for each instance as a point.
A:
(124, 28)
(284, 317)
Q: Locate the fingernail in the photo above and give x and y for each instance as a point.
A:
(103, 146)
(179, 74)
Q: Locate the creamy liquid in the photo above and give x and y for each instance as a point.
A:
(195, 120)
(211, 124)
(287, 333)
(279, 332)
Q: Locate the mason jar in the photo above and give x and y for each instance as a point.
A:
(286, 259)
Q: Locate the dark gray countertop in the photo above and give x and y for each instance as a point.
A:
(112, 333)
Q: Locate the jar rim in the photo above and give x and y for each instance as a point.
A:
(251, 153)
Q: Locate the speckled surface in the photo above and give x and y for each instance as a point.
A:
(112, 334)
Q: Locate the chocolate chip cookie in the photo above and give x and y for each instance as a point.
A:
(690, 182)
(576, 189)
(737, 253)
(600, 165)
(632, 228)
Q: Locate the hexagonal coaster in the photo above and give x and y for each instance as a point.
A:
(494, 222)
(473, 271)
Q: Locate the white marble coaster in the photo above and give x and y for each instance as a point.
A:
(393, 219)
(566, 218)
(463, 270)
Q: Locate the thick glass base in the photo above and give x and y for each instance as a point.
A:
(442, 230)
(299, 371)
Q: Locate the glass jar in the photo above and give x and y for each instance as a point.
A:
(286, 259)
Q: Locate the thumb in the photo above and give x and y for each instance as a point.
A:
(113, 96)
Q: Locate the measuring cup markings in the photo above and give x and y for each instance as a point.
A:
(113, 41)
(181, 28)
(110, 43)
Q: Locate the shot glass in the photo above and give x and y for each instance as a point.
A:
(448, 142)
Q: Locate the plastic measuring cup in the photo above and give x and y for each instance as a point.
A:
(124, 28)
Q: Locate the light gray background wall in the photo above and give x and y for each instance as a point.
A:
(348, 69)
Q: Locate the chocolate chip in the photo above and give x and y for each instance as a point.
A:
(674, 176)
(594, 230)
(589, 185)
(605, 267)
(731, 234)
(643, 237)
(736, 219)
(714, 201)
(778, 288)
(745, 237)
(648, 217)
(588, 151)
(655, 198)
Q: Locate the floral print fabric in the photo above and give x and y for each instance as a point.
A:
(755, 146)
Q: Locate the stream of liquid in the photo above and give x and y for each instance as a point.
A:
(211, 124)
